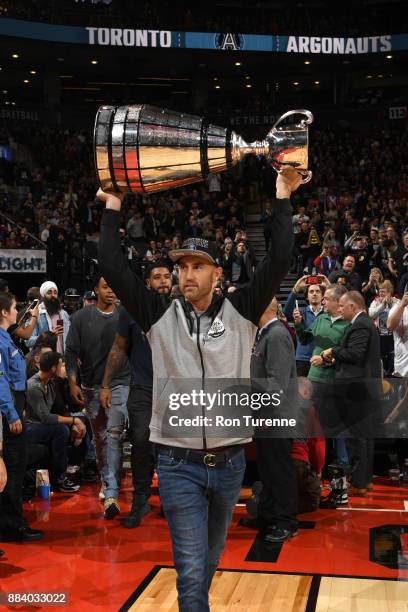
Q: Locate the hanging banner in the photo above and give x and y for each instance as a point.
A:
(19, 115)
(227, 41)
(24, 261)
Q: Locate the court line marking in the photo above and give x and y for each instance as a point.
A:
(375, 509)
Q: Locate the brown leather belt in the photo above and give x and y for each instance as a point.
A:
(210, 458)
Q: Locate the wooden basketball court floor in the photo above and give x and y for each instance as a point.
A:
(348, 560)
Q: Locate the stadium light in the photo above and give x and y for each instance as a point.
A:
(218, 87)
(307, 62)
(388, 56)
(369, 76)
(33, 72)
(94, 62)
(248, 85)
(238, 63)
(296, 83)
(15, 56)
(26, 81)
(317, 82)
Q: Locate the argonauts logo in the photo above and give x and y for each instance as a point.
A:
(229, 42)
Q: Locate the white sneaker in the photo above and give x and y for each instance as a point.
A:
(102, 492)
(72, 469)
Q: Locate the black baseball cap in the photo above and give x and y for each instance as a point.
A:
(158, 264)
(89, 295)
(200, 247)
(72, 292)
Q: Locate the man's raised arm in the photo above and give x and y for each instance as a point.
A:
(144, 306)
(252, 301)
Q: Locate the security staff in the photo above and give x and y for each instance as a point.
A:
(13, 526)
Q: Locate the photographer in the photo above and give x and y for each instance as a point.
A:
(327, 262)
(27, 320)
(241, 265)
(397, 322)
(348, 270)
(51, 317)
(362, 254)
(314, 295)
(379, 311)
(371, 288)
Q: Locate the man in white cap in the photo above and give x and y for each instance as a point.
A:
(51, 317)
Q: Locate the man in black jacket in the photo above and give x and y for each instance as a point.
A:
(349, 270)
(131, 341)
(273, 368)
(200, 472)
(358, 385)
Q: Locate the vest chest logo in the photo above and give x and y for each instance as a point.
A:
(217, 329)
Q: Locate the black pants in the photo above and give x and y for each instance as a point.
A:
(302, 368)
(308, 484)
(278, 502)
(15, 459)
(142, 458)
(56, 436)
(387, 353)
(358, 405)
(361, 458)
(327, 406)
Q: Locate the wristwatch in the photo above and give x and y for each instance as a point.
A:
(327, 361)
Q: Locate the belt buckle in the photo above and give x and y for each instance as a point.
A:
(209, 460)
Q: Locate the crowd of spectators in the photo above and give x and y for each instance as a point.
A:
(356, 205)
(350, 223)
(350, 226)
(263, 18)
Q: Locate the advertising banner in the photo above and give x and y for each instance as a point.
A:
(23, 261)
(223, 41)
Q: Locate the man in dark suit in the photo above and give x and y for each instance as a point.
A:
(358, 386)
(273, 370)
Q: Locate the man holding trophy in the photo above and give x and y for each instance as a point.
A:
(200, 336)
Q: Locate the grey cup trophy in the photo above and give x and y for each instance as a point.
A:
(143, 149)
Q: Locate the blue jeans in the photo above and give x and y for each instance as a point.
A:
(198, 502)
(341, 450)
(108, 430)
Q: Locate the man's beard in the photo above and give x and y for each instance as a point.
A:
(52, 306)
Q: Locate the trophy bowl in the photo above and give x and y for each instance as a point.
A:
(143, 149)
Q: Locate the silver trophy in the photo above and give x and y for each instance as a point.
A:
(143, 149)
